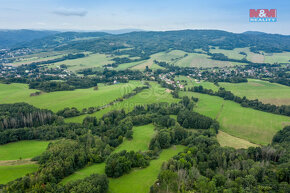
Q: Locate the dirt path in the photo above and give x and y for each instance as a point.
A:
(16, 162)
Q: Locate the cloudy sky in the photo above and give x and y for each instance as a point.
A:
(230, 15)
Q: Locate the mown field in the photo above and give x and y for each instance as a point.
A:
(252, 125)
(155, 94)
(264, 91)
(81, 98)
(227, 140)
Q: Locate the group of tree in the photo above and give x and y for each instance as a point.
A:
(206, 167)
(19, 115)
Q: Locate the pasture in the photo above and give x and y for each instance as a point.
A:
(264, 91)
(155, 94)
(252, 125)
(22, 150)
(80, 98)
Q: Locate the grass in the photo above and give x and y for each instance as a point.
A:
(140, 180)
(22, 149)
(90, 61)
(264, 91)
(85, 172)
(252, 125)
(80, 98)
(202, 60)
(230, 141)
(9, 173)
(155, 94)
(141, 139)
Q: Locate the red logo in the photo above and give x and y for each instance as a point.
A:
(263, 13)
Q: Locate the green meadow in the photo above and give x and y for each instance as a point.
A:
(263, 90)
(252, 125)
(155, 94)
(80, 98)
(90, 61)
(9, 173)
(22, 149)
(141, 139)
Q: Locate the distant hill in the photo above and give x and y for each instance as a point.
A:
(9, 38)
(145, 43)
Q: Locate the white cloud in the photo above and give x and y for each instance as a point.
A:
(70, 12)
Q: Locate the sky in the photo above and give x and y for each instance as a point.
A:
(157, 15)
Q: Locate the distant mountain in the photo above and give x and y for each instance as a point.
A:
(145, 43)
(9, 38)
(60, 39)
(122, 31)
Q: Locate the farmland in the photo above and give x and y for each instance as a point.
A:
(81, 98)
(252, 125)
(227, 140)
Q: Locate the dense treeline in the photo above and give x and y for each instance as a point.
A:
(255, 104)
(206, 167)
(24, 115)
(121, 163)
(45, 132)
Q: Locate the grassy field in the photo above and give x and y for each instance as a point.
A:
(252, 125)
(141, 139)
(22, 149)
(9, 173)
(264, 91)
(230, 141)
(155, 94)
(81, 98)
(90, 61)
(202, 60)
(140, 180)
